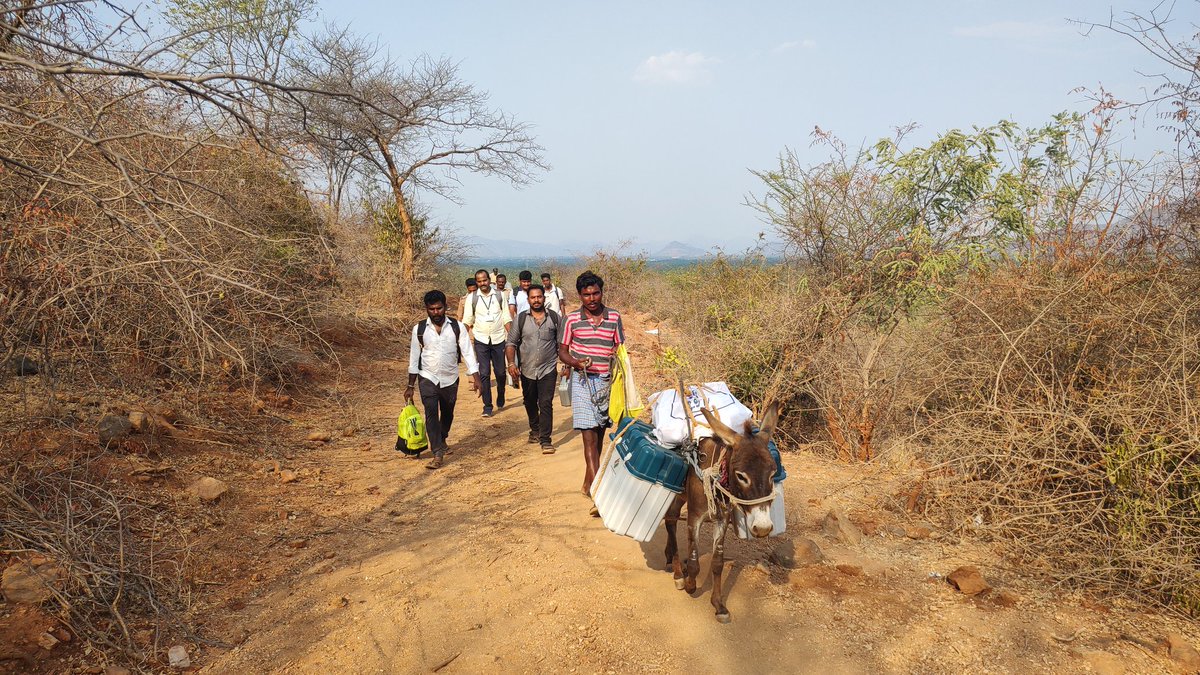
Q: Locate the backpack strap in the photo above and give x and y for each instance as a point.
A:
(457, 337)
(421, 326)
(421, 338)
(554, 319)
(521, 323)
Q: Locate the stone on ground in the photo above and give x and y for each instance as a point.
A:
(1101, 662)
(178, 657)
(112, 428)
(140, 421)
(47, 641)
(1182, 651)
(917, 531)
(209, 489)
(806, 552)
(839, 527)
(968, 580)
(320, 436)
(30, 583)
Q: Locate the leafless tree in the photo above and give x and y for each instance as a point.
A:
(412, 126)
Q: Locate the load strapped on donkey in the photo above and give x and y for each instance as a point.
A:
(645, 469)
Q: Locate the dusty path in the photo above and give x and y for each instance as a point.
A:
(493, 564)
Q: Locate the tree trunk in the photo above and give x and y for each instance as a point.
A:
(407, 264)
(407, 267)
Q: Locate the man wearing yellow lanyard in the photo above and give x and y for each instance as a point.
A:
(487, 317)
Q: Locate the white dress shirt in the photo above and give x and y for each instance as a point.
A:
(520, 300)
(552, 300)
(487, 315)
(438, 362)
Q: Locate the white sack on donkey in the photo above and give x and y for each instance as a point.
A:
(670, 419)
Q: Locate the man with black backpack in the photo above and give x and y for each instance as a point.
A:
(433, 360)
(535, 334)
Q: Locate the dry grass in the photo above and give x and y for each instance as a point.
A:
(122, 556)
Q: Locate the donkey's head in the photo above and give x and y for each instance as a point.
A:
(751, 467)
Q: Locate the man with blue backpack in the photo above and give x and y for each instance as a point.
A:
(433, 359)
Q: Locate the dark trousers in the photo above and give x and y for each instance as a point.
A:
(438, 403)
(539, 404)
(491, 359)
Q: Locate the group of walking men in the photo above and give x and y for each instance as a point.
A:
(521, 332)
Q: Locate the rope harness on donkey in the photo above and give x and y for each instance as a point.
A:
(715, 477)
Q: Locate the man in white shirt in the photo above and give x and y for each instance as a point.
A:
(554, 295)
(519, 302)
(488, 319)
(438, 344)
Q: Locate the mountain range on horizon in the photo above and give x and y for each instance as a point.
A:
(489, 248)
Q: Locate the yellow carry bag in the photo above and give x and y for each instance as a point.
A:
(410, 431)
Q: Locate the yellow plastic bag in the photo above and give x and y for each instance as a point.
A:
(410, 431)
(623, 397)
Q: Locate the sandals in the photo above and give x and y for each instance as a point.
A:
(435, 463)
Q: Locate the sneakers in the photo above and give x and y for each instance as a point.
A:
(533, 438)
(548, 448)
(486, 413)
(435, 463)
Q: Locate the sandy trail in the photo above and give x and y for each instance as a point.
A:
(493, 564)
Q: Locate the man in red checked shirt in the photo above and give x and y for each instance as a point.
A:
(588, 340)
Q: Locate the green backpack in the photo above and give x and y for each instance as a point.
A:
(410, 431)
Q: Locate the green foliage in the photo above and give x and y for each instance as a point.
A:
(894, 227)
(270, 23)
(387, 228)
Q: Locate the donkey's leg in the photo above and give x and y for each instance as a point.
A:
(672, 552)
(693, 560)
(718, 566)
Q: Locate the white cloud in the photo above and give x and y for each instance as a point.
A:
(786, 47)
(675, 67)
(1016, 30)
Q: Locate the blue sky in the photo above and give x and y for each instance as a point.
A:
(653, 113)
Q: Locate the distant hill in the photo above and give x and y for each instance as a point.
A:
(488, 249)
(678, 249)
(498, 249)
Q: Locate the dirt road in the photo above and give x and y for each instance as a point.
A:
(493, 564)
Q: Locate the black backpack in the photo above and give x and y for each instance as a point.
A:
(421, 338)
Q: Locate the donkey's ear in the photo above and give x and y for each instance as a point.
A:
(723, 433)
(769, 420)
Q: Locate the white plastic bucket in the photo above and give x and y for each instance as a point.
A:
(564, 391)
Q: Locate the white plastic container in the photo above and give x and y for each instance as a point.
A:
(564, 391)
(637, 484)
(628, 505)
(778, 517)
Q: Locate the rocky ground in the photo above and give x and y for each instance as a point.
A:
(319, 549)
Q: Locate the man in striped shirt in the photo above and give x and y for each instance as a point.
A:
(589, 338)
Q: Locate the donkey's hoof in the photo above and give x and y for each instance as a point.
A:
(723, 617)
(680, 583)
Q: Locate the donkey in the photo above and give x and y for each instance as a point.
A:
(749, 471)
